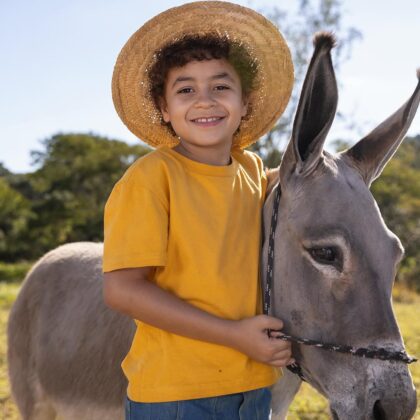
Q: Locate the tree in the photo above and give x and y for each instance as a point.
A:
(298, 28)
(4, 171)
(75, 175)
(15, 214)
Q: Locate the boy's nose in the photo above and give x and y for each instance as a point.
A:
(205, 99)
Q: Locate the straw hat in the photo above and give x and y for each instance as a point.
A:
(262, 40)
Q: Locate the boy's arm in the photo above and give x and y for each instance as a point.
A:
(132, 292)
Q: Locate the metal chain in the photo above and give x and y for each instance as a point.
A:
(372, 353)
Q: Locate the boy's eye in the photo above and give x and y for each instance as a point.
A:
(222, 87)
(185, 90)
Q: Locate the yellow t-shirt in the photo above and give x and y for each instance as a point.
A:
(200, 225)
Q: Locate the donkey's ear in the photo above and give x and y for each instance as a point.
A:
(371, 154)
(315, 112)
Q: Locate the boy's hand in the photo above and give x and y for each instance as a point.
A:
(131, 292)
(249, 336)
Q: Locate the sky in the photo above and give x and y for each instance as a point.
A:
(57, 59)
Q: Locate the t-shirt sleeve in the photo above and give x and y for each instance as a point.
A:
(135, 228)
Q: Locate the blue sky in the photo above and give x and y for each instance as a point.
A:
(57, 59)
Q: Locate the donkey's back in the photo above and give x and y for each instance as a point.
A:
(65, 346)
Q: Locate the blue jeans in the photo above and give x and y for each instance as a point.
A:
(250, 405)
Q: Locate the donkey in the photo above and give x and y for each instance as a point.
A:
(334, 258)
(334, 267)
(65, 347)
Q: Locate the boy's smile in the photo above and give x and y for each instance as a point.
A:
(204, 104)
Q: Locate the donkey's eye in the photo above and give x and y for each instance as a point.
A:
(326, 255)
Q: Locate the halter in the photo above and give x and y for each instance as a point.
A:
(371, 353)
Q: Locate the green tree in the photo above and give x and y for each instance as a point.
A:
(15, 214)
(4, 171)
(75, 175)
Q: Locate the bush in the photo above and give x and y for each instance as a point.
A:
(10, 272)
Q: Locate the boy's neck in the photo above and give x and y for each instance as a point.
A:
(217, 156)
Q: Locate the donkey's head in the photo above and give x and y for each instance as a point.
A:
(335, 260)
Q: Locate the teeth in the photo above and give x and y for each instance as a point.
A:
(205, 120)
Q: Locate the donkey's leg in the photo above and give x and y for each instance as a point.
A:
(42, 410)
(27, 391)
(33, 404)
(283, 393)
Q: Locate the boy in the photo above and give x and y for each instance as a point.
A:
(182, 227)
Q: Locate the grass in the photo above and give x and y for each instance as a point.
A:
(308, 405)
(8, 293)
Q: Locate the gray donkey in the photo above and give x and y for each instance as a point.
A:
(334, 258)
(334, 265)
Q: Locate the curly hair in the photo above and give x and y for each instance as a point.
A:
(199, 48)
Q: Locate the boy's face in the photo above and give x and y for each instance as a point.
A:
(204, 102)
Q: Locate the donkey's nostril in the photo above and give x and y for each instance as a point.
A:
(378, 411)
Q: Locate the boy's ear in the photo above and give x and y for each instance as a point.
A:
(164, 110)
(245, 102)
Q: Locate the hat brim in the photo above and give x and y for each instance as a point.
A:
(130, 84)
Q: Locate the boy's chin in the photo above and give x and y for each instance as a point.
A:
(209, 143)
(215, 145)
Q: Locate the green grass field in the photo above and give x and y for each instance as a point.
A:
(308, 405)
